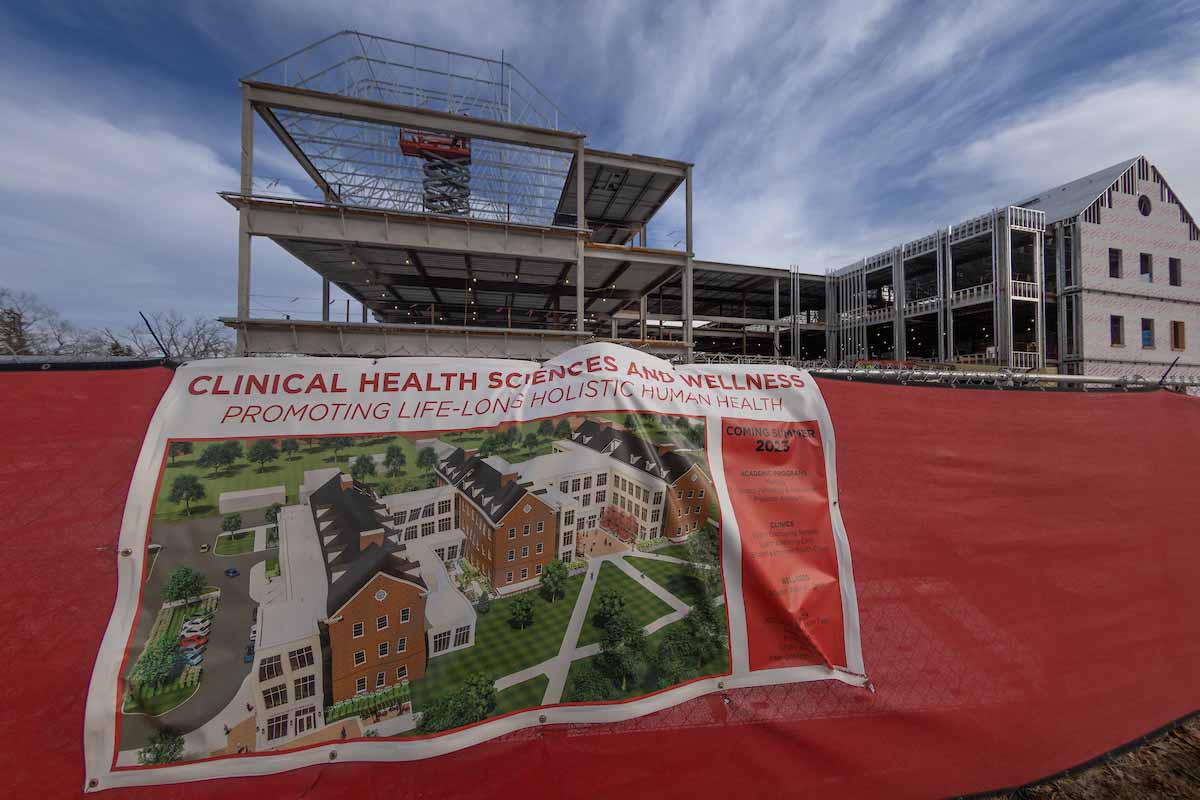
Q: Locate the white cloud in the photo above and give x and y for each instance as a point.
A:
(1153, 113)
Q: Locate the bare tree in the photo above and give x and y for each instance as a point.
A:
(30, 327)
(183, 337)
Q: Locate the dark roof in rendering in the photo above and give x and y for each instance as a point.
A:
(481, 482)
(342, 515)
(1071, 198)
(627, 447)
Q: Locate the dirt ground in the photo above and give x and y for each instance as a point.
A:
(1165, 767)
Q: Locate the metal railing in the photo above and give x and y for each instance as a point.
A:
(1028, 218)
(1025, 290)
(972, 294)
(921, 306)
(1025, 360)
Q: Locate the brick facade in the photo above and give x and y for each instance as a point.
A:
(365, 609)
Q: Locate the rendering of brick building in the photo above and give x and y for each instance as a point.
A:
(511, 532)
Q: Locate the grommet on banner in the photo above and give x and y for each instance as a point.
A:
(333, 755)
(93, 783)
(126, 552)
(541, 717)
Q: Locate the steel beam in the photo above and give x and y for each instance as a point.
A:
(341, 107)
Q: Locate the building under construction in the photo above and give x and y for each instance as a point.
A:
(468, 216)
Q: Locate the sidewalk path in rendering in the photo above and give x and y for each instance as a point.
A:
(557, 668)
(561, 665)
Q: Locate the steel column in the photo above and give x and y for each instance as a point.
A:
(581, 232)
(688, 275)
(775, 328)
(244, 244)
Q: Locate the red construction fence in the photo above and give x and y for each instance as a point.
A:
(1028, 573)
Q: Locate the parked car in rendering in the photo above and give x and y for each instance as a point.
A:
(196, 626)
(232, 572)
(193, 641)
(194, 659)
(204, 547)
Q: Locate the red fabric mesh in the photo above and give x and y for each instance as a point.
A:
(1027, 569)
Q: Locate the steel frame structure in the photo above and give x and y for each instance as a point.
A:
(851, 313)
(553, 238)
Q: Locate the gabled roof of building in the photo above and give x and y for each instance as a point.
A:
(342, 515)
(627, 447)
(1071, 198)
(481, 482)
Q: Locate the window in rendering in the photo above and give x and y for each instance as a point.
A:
(299, 659)
(441, 641)
(275, 695)
(1175, 270)
(1178, 339)
(1147, 267)
(462, 635)
(277, 726)
(1147, 333)
(271, 667)
(305, 687)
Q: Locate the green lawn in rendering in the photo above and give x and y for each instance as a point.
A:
(648, 681)
(524, 695)
(287, 471)
(317, 454)
(273, 568)
(642, 603)
(675, 551)
(499, 648)
(236, 544)
(672, 577)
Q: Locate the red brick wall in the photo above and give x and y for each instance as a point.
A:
(364, 608)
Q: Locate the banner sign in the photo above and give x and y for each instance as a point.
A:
(347, 559)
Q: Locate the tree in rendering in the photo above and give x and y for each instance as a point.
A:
(362, 468)
(546, 428)
(609, 604)
(520, 613)
(337, 444)
(394, 461)
(588, 684)
(563, 430)
(675, 655)
(186, 489)
(233, 451)
(263, 452)
(184, 582)
(231, 523)
(472, 702)
(427, 458)
(532, 440)
(705, 626)
(622, 649)
(704, 558)
(159, 664)
(273, 513)
(214, 458)
(554, 580)
(179, 449)
(289, 448)
(484, 604)
(162, 747)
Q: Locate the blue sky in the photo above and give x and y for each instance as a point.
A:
(820, 132)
